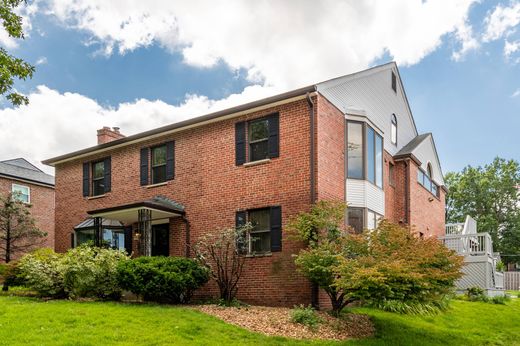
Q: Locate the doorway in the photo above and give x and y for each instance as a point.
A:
(161, 240)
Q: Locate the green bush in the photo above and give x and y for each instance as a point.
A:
(43, 271)
(306, 316)
(476, 294)
(10, 275)
(92, 272)
(500, 299)
(162, 279)
(412, 307)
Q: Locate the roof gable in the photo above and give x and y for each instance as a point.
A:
(21, 169)
(22, 163)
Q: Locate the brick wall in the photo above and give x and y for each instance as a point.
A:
(42, 201)
(212, 188)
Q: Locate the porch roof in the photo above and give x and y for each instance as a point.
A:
(161, 207)
(89, 223)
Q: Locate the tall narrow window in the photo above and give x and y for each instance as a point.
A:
(393, 131)
(371, 171)
(355, 218)
(260, 235)
(394, 82)
(379, 160)
(355, 150)
(159, 164)
(391, 174)
(258, 140)
(98, 178)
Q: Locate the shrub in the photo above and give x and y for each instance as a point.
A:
(412, 308)
(500, 299)
(43, 272)
(92, 272)
(10, 275)
(476, 294)
(162, 279)
(306, 316)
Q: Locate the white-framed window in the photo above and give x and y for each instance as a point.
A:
(21, 193)
(373, 219)
(393, 130)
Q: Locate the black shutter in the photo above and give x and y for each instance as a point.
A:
(240, 143)
(72, 240)
(107, 163)
(276, 228)
(144, 166)
(274, 136)
(86, 179)
(240, 220)
(170, 160)
(128, 240)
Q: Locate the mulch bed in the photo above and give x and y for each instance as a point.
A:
(277, 322)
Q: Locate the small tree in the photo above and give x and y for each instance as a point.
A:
(323, 230)
(18, 232)
(222, 253)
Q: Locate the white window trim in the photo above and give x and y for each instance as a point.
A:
(23, 186)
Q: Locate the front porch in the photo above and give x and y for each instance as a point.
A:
(153, 227)
(479, 259)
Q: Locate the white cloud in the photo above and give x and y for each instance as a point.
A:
(41, 60)
(54, 123)
(501, 21)
(464, 34)
(516, 93)
(280, 43)
(510, 48)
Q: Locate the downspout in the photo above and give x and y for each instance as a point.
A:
(187, 227)
(314, 287)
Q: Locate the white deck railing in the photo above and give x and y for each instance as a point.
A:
(469, 244)
(469, 226)
(499, 280)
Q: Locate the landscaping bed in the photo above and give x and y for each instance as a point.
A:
(277, 322)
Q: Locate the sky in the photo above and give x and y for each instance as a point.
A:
(142, 64)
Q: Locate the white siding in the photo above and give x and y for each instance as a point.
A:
(425, 152)
(371, 92)
(361, 193)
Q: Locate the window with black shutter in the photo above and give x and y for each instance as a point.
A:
(259, 137)
(97, 176)
(265, 235)
(157, 164)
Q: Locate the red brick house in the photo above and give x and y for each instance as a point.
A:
(34, 187)
(352, 138)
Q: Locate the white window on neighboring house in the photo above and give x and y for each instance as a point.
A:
(21, 193)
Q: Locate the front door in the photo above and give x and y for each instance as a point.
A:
(161, 240)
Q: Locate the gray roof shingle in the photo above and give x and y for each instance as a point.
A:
(414, 143)
(23, 169)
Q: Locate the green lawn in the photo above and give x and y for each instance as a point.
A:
(29, 321)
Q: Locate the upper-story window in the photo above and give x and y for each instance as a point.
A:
(97, 177)
(364, 153)
(21, 193)
(159, 164)
(425, 179)
(393, 130)
(394, 82)
(257, 139)
(162, 165)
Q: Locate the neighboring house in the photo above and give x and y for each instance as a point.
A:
(352, 138)
(34, 187)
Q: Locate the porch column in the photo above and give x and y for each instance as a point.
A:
(98, 231)
(144, 218)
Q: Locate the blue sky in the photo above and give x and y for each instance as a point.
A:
(138, 66)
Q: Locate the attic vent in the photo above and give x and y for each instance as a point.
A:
(394, 82)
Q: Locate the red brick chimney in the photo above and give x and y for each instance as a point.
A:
(107, 134)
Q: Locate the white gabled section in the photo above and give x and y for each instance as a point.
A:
(426, 153)
(371, 91)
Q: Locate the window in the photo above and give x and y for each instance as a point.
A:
(393, 130)
(21, 193)
(98, 178)
(259, 239)
(355, 150)
(391, 174)
(379, 160)
(112, 238)
(258, 140)
(373, 219)
(355, 218)
(159, 164)
(424, 178)
(394, 82)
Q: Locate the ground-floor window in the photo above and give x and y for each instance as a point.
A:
(259, 239)
(112, 238)
(362, 218)
(373, 219)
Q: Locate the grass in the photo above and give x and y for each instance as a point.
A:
(26, 321)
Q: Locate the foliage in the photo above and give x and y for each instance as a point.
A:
(12, 67)
(43, 271)
(502, 299)
(489, 194)
(476, 294)
(500, 266)
(391, 263)
(92, 272)
(322, 229)
(412, 308)
(10, 275)
(162, 279)
(306, 316)
(18, 231)
(221, 253)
